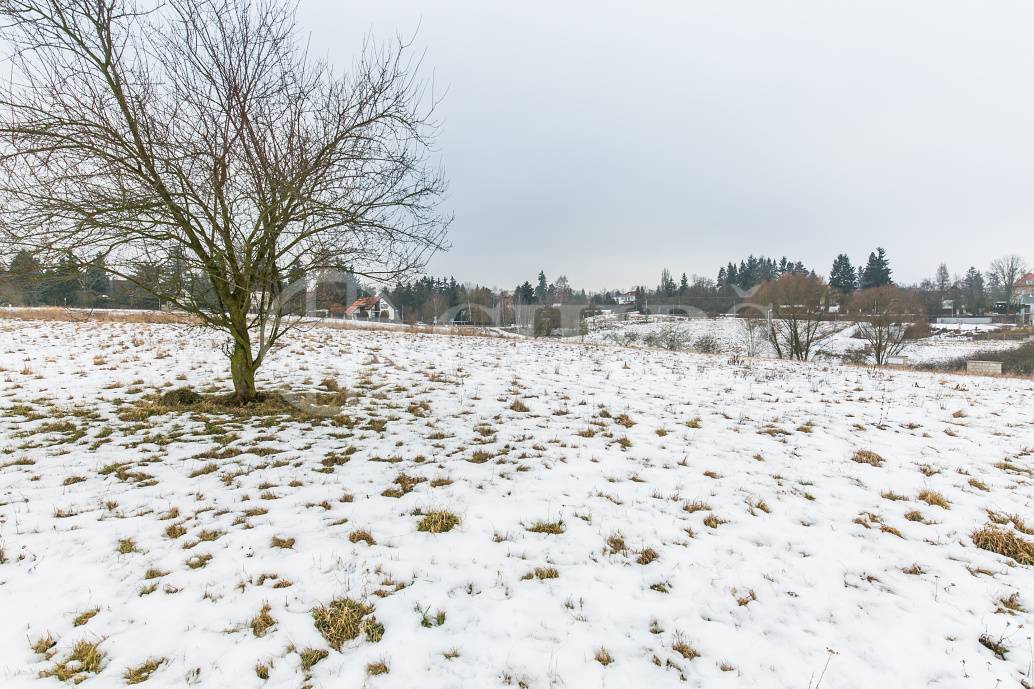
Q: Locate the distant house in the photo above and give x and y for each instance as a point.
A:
(370, 308)
(623, 298)
(1023, 290)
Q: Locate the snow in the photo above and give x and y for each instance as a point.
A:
(767, 598)
(943, 344)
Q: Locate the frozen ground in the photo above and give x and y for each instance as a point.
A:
(943, 344)
(653, 519)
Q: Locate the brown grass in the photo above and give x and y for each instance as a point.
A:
(867, 457)
(285, 543)
(438, 521)
(684, 649)
(262, 622)
(378, 668)
(1004, 542)
(362, 535)
(933, 498)
(142, 672)
(85, 658)
(310, 657)
(646, 556)
(616, 543)
(54, 313)
(554, 528)
(603, 657)
(712, 520)
(84, 617)
(345, 619)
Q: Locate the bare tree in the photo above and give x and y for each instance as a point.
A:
(1006, 271)
(797, 324)
(200, 134)
(753, 334)
(884, 316)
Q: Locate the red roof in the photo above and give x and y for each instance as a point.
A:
(1025, 280)
(362, 303)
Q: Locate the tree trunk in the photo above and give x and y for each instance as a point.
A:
(242, 369)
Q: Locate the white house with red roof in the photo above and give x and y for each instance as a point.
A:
(1023, 290)
(372, 308)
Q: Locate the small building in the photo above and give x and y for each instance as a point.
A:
(1023, 290)
(369, 308)
(623, 298)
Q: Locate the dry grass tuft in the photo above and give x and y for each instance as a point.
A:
(554, 528)
(85, 658)
(696, 506)
(345, 619)
(542, 573)
(519, 406)
(378, 668)
(262, 622)
(43, 645)
(206, 469)
(603, 657)
(616, 543)
(646, 556)
(438, 521)
(996, 646)
(712, 520)
(933, 498)
(867, 457)
(311, 656)
(84, 617)
(362, 535)
(1004, 542)
(1010, 603)
(143, 671)
(199, 561)
(979, 485)
(684, 649)
(285, 543)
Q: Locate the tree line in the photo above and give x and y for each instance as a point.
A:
(26, 280)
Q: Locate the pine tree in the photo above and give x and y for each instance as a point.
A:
(683, 284)
(973, 289)
(25, 276)
(843, 277)
(877, 270)
(942, 279)
(541, 288)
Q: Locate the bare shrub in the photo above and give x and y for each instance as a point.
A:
(752, 335)
(707, 344)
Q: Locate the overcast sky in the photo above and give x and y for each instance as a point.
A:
(607, 140)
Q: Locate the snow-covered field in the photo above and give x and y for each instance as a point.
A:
(627, 518)
(943, 344)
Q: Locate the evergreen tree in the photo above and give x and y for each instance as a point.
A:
(843, 277)
(667, 286)
(25, 275)
(95, 279)
(973, 291)
(683, 285)
(525, 293)
(877, 270)
(541, 288)
(942, 280)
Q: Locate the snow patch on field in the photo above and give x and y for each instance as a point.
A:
(705, 523)
(944, 344)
